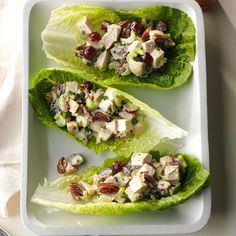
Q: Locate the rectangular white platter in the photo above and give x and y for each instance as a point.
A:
(42, 146)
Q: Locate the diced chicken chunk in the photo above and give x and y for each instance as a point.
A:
(107, 105)
(71, 86)
(112, 126)
(148, 169)
(132, 196)
(103, 60)
(138, 159)
(154, 33)
(126, 115)
(72, 127)
(98, 95)
(85, 26)
(163, 185)
(119, 52)
(136, 44)
(172, 172)
(73, 106)
(148, 46)
(137, 67)
(111, 36)
(165, 160)
(82, 121)
(112, 96)
(137, 185)
(91, 189)
(124, 126)
(97, 126)
(157, 55)
(103, 135)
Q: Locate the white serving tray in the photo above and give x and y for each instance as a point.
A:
(42, 146)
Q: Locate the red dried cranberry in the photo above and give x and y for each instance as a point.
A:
(94, 37)
(147, 58)
(88, 85)
(90, 53)
(161, 25)
(136, 27)
(104, 25)
(117, 166)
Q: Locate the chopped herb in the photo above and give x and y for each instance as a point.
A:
(105, 97)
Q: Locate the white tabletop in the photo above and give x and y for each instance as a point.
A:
(220, 24)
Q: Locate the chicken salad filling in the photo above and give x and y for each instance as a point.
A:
(87, 111)
(143, 177)
(129, 47)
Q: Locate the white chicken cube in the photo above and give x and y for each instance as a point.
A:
(107, 105)
(137, 67)
(97, 126)
(153, 34)
(103, 60)
(71, 86)
(138, 159)
(165, 160)
(112, 96)
(73, 106)
(82, 121)
(112, 126)
(103, 135)
(172, 173)
(148, 169)
(157, 55)
(126, 115)
(137, 185)
(98, 95)
(132, 196)
(148, 46)
(72, 127)
(124, 126)
(111, 36)
(85, 26)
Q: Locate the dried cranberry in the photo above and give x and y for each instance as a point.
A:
(117, 166)
(90, 53)
(94, 37)
(147, 58)
(161, 25)
(88, 85)
(104, 25)
(136, 27)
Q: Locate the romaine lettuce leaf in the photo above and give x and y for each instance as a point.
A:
(61, 37)
(157, 128)
(56, 194)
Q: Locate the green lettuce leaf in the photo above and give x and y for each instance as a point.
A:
(56, 194)
(61, 37)
(157, 128)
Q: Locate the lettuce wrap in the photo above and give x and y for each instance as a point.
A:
(157, 129)
(57, 194)
(61, 37)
